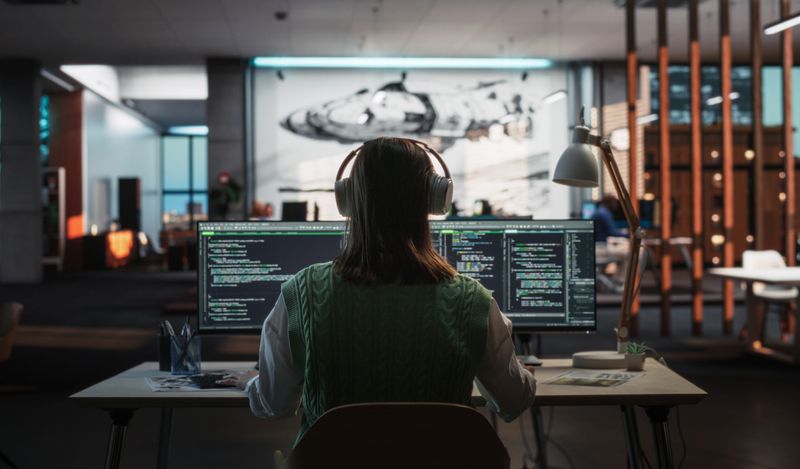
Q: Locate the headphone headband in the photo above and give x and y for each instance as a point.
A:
(440, 196)
(425, 147)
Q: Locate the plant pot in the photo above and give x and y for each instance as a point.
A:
(634, 362)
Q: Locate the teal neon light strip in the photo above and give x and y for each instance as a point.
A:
(403, 62)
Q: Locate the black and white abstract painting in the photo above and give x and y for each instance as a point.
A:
(500, 132)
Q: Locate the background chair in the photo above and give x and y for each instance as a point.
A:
(772, 294)
(400, 435)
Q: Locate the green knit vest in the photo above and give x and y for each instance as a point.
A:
(383, 343)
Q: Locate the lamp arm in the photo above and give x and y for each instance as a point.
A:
(636, 236)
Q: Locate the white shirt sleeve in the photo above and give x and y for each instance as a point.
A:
(508, 387)
(276, 391)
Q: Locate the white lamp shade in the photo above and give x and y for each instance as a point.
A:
(577, 167)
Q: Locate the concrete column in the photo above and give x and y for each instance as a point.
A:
(20, 172)
(226, 117)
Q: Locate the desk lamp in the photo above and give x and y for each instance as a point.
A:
(577, 167)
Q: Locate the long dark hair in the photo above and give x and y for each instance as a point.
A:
(389, 236)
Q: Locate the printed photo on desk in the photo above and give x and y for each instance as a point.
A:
(604, 379)
(198, 382)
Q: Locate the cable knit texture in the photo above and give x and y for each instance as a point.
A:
(383, 343)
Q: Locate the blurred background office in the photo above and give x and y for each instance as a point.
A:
(123, 123)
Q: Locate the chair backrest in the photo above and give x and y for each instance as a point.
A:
(400, 435)
(769, 259)
(10, 314)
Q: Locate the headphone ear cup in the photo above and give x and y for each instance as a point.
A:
(440, 195)
(342, 189)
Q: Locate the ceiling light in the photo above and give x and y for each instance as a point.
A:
(646, 119)
(188, 130)
(403, 62)
(713, 101)
(782, 24)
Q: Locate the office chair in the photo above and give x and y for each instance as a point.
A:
(400, 435)
(782, 296)
(9, 319)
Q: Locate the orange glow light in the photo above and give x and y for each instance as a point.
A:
(120, 243)
(75, 226)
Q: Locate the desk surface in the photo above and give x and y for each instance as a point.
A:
(779, 276)
(658, 386)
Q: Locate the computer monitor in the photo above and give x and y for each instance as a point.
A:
(541, 273)
(242, 265)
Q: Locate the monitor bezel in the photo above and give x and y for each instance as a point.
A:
(517, 329)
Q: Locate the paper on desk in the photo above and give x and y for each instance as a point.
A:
(604, 379)
(177, 383)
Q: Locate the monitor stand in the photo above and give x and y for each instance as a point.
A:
(522, 344)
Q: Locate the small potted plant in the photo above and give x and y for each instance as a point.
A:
(635, 355)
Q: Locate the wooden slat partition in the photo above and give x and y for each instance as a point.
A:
(697, 170)
(758, 124)
(633, 146)
(788, 147)
(665, 161)
(727, 161)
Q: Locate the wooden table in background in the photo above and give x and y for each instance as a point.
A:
(657, 391)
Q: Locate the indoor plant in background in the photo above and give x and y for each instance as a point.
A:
(635, 355)
(226, 193)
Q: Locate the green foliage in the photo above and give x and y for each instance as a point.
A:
(635, 348)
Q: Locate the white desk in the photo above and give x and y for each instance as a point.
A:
(657, 392)
(787, 276)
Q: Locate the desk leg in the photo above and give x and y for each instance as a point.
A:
(164, 435)
(541, 441)
(658, 421)
(631, 436)
(116, 436)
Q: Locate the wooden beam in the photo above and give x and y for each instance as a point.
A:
(788, 135)
(727, 161)
(696, 135)
(633, 146)
(758, 123)
(665, 173)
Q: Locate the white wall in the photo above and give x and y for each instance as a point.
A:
(163, 82)
(117, 144)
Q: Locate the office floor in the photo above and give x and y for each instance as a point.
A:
(80, 329)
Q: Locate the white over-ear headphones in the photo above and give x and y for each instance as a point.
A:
(440, 196)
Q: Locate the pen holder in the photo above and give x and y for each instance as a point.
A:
(185, 355)
(164, 353)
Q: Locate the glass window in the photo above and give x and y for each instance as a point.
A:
(199, 163)
(710, 95)
(185, 186)
(176, 163)
(772, 86)
(176, 204)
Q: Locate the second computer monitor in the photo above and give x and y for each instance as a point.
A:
(541, 273)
